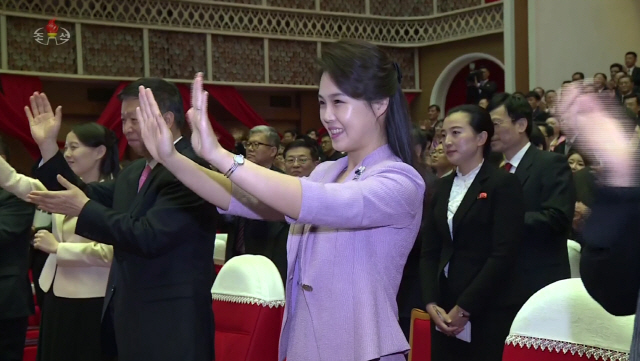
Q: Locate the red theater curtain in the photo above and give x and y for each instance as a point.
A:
(225, 139)
(15, 94)
(231, 100)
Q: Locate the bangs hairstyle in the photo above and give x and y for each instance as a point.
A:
(480, 121)
(94, 135)
(365, 72)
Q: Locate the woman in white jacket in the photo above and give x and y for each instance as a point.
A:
(75, 274)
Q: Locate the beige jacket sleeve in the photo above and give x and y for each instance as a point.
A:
(18, 184)
(84, 254)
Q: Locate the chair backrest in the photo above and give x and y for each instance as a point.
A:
(222, 237)
(562, 322)
(219, 252)
(248, 303)
(420, 336)
(574, 249)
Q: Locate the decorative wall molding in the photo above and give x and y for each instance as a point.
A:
(267, 22)
(244, 45)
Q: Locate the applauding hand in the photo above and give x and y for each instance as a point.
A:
(154, 130)
(580, 109)
(45, 241)
(204, 141)
(44, 124)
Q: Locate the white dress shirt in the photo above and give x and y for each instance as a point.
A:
(461, 184)
(517, 158)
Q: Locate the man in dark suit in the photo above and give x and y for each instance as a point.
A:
(482, 88)
(158, 300)
(16, 299)
(630, 59)
(549, 197)
(250, 236)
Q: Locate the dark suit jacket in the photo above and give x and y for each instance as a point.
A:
(549, 198)
(562, 148)
(16, 217)
(487, 229)
(264, 238)
(609, 262)
(410, 290)
(585, 182)
(163, 238)
(635, 76)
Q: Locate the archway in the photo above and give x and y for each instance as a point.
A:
(450, 87)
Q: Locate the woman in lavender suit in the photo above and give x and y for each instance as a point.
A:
(353, 221)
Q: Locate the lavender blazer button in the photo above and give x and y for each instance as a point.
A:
(307, 288)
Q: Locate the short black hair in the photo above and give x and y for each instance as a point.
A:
(4, 149)
(517, 108)
(567, 82)
(435, 106)
(480, 121)
(541, 117)
(631, 53)
(290, 131)
(616, 65)
(533, 94)
(312, 130)
(603, 74)
(305, 142)
(626, 76)
(578, 73)
(166, 94)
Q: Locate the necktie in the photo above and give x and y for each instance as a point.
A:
(143, 176)
(240, 236)
(508, 166)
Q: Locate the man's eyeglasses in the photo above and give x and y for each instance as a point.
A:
(301, 160)
(255, 145)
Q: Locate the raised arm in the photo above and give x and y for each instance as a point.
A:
(391, 196)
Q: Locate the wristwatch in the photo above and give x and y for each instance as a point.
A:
(238, 160)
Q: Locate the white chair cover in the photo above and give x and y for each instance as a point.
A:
(563, 317)
(574, 250)
(249, 279)
(219, 252)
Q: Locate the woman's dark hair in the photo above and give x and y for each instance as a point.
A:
(364, 71)
(94, 135)
(537, 138)
(480, 121)
(587, 161)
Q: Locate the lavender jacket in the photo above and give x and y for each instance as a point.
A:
(355, 238)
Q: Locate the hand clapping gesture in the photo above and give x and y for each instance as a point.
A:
(157, 136)
(610, 142)
(44, 124)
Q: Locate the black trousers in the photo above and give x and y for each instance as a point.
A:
(489, 330)
(13, 332)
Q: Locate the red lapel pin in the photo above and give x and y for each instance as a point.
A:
(482, 195)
